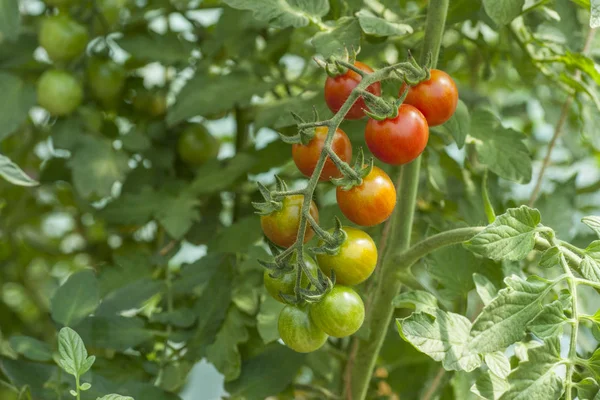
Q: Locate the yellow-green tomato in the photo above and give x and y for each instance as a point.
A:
(298, 331)
(286, 284)
(59, 92)
(281, 227)
(196, 145)
(106, 80)
(355, 260)
(63, 38)
(340, 313)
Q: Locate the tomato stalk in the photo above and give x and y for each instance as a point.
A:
(380, 313)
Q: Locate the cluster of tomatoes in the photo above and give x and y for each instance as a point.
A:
(396, 140)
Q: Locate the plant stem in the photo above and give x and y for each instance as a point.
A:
(77, 387)
(564, 113)
(388, 286)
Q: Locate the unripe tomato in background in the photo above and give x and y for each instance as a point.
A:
(63, 38)
(59, 92)
(106, 80)
(196, 145)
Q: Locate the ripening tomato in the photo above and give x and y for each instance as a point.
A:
(337, 90)
(306, 157)
(355, 260)
(298, 331)
(398, 140)
(436, 98)
(63, 38)
(287, 283)
(371, 202)
(281, 227)
(340, 313)
(152, 103)
(196, 145)
(59, 92)
(106, 80)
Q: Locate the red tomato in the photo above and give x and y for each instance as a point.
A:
(436, 98)
(371, 202)
(306, 157)
(281, 227)
(338, 89)
(399, 140)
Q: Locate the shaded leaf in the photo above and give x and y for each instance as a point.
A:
(114, 332)
(343, 38)
(10, 20)
(489, 386)
(485, 288)
(31, 348)
(77, 298)
(418, 300)
(13, 174)
(503, 11)
(283, 13)
(459, 125)
(267, 319)
(372, 25)
(17, 96)
(152, 47)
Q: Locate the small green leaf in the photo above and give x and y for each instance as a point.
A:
(17, 96)
(511, 236)
(442, 336)
(85, 386)
(498, 363)
(590, 268)
(459, 125)
(73, 355)
(418, 300)
(549, 322)
(485, 288)
(489, 386)
(31, 348)
(593, 222)
(13, 174)
(10, 24)
(372, 25)
(550, 258)
(115, 397)
(77, 298)
(283, 13)
(503, 12)
(340, 40)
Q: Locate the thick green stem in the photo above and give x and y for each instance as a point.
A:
(381, 310)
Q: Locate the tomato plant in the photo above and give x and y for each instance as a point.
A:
(341, 312)
(398, 140)
(62, 37)
(59, 92)
(298, 331)
(306, 156)
(281, 227)
(196, 145)
(286, 283)
(338, 88)
(436, 97)
(371, 202)
(355, 260)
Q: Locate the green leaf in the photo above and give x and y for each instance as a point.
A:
(181, 317)
(266, 374)
(115, 397)
(595, 14)
(10, 23)
(593, 222)
(13, 174)
(31, 374)
(114, 332)
(76, 299)
(132, 208)
(129, 296)
(442, 336)
(537, 377)
(178, 214)
(489, 386)
(590, 268)
(372, 25)
(459, 124)
(511, 236)
(198, 95)
(283, 13)
(549, 322)
(224, 353)
(213, 177)
(31, 348)
(485, 288)
(239, 236)
(267, 319)
(550, 258)
(503, 12)
(152, 47)
(97, 166)
(587, 389)
(594, 363)
(498, 363)
(504, 321)
(341, 39)
(501, 149)
(17, 97)
(418, 300)
(73, 355)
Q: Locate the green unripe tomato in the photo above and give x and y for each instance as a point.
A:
(152, 103)
(340, 313)
(286, 284)
(59, 92)
(298, 331)
(63, 38)
(196, 145)
(106, 80)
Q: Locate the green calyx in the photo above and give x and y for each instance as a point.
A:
(333, 241)
(359, 169)
(272, 202)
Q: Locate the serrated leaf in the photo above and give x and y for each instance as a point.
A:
(224, 353)
(340, 40)
(498, 363)
(503, 11)
(77, 298)
(593, 222)
(550, 258)
(13, 174)
(31, 348)
(504, 321)
(459, 125)
(443, 336)
(594, 14)
(537, 377)
(511, 236)
(96, 166)
(115, 397)
(549, 322)
(283, 13)
(594, 363)
(485, 288)
(17, 96)
(489, 386)
(418, 300)
(501, 149)
(73, 355)
(10, 22)
(590, 268)
(373, 25)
